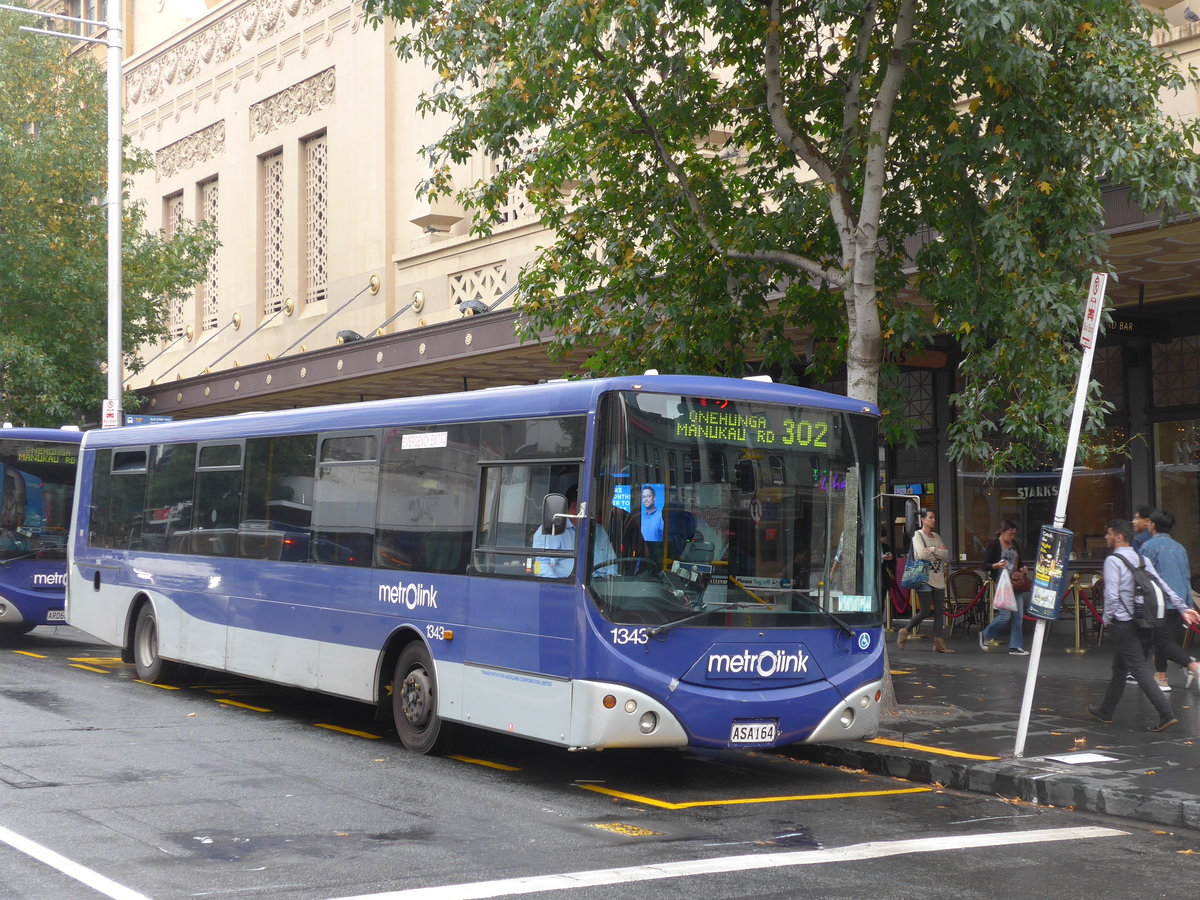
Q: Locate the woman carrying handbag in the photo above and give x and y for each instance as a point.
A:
(1003, 555)
(927, 545)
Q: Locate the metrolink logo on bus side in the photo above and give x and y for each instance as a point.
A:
(761, 664)
(411, 596)
(50, 579)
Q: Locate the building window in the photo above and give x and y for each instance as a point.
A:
(316, 243)
(273, 236)
(93, 10)
(1106, 368)
(1030, 500)
(207, 294)
(172, 218)
(1177, 478)
(1177, 372)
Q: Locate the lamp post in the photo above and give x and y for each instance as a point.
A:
(113, 30)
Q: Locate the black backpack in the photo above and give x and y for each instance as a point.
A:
(1149, 598)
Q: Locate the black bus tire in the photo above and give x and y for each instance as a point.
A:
(414, 702)
(150, 666)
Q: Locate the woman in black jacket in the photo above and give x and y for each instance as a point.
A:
(1003, 554)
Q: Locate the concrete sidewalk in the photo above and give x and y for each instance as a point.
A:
(958, 723)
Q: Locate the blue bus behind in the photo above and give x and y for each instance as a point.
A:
(659, 561)
(37, 486)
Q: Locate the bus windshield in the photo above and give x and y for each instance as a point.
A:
(37, 483)
(722, 513)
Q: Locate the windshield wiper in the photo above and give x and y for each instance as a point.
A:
(817, 608)
(8, 560)
(667, 626)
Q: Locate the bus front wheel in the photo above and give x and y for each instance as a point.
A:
(414, 702)
(150, 666)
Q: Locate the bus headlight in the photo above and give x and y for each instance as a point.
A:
(847, 717)
(631, 706)
(648, 722)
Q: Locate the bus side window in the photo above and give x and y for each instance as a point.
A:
(127, 499)
(511, 512)
(218, 498)
(427, 498)
(169, 498)
(344, 499)
(276, 515)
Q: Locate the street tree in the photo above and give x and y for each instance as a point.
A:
(721, 179)
(53, 237)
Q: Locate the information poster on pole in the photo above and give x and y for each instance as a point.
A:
(1050, 576)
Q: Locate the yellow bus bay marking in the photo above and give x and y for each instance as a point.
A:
(484, 762)
(904, 745)
(626, 830)
(27, 653)
(100, 660)
(361, 734)
(165, 687)
(663, 804)
(91, 668)
(242, 705)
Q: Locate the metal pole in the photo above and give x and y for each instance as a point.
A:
(1091, 322)
(115, 356)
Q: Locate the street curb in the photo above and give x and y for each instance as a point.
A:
(1036, 780)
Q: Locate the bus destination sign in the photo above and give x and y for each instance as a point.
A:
(752, 430)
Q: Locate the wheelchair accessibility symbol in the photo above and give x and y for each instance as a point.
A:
(864, 641)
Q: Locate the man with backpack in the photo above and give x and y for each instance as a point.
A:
(1134, 604)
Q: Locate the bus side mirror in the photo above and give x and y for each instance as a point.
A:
(554, 510)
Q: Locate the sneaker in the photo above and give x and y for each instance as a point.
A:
(1162, 683)
(1130, 679)
(1164, 724)
(983, 645)
(1017, 651)
(1094, 712)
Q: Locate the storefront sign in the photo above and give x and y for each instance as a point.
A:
(1131, 326)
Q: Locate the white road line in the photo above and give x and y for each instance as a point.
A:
(600, 877)
(82, 874)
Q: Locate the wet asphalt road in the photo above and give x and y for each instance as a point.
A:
(230, 788)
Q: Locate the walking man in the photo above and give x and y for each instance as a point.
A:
(1131, 642)
(1171, 562)
(1141, 527)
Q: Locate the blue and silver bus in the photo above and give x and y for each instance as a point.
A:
(656, 561)
(37, 484)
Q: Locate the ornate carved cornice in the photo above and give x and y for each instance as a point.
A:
(229, 37)
(192, 150)
(293, 103)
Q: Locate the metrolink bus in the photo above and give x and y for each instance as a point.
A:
(37, 483)
(656, 561)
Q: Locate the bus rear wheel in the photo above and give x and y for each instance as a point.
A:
(414, 702)
(150, 666)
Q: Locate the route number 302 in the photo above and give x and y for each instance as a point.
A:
(630, 636)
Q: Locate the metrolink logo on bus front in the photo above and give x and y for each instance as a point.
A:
(759, 663)
(411, 596)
